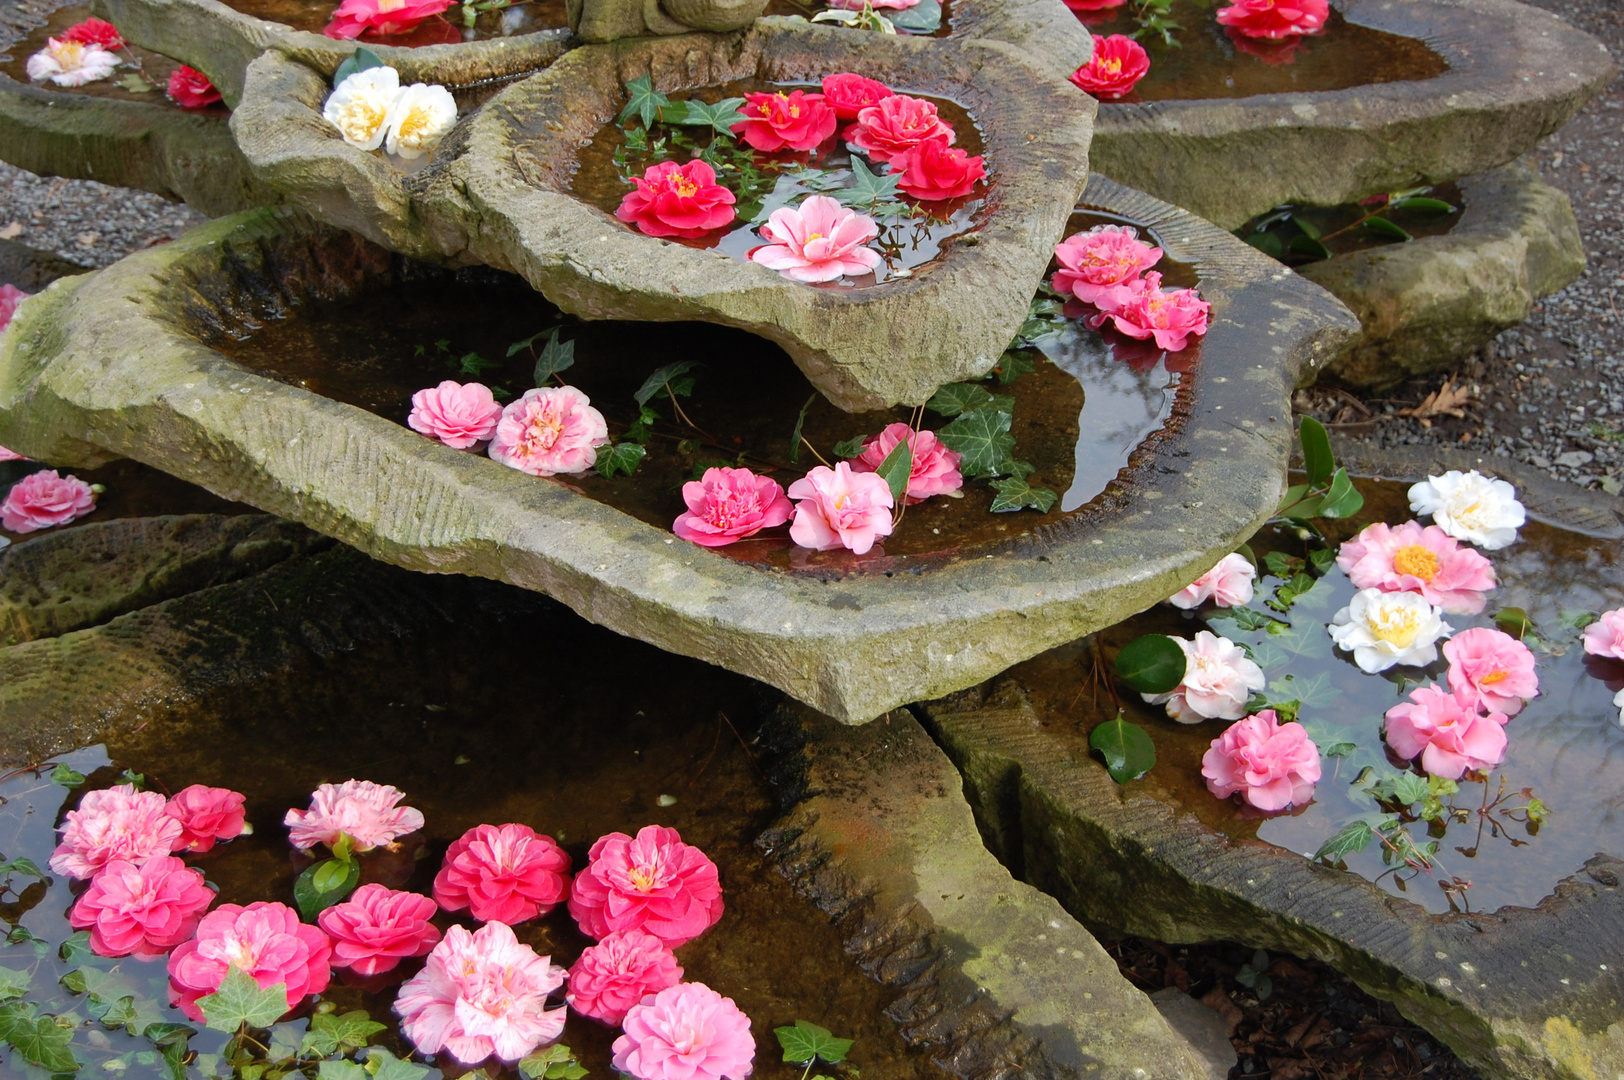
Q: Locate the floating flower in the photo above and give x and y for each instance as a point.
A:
(1605, 636)
(380, 17)
(264, 940)
(480, 994)
(618, 972)
(896, 125)
(1116, 67)
(1419, 559)
(359, 106)
(1172, 318)
(1096, 266)
(1447, 731)
(849, 94)
(1382, 629)
(503, 873)
(819, 241)
(206, 814)
(935, 468)
(191, 89)
(116, 823)
(10, 297)
(793, 121)
(1272, 765)
(1229, 584)
(1275, 18)
(94, 31)
(1218, 679)
(1471, 507)
(377, 928)
(1492, 669)
(677, 200)
(550, 430)
(45, 499)
(421, 117)
(369, 814)
(730, 504)
(458, 414)
(70, 63)
(933, 171)
(686, 1032)
(141, 910)
(877, 5)
(654, 883)
(1094, 5)
(840, 507)
(10, 455)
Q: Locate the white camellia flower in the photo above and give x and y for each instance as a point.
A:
(360, 106)
(1218, 679)
(421, 117)
(1471, 507)
(69, 63)
(1383, 629)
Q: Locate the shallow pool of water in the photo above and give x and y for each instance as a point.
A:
(525, 17)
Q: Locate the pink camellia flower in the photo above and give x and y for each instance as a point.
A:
(820, 241)
(1492, 669)
(849, 94)
(686, 1032)
(933, 171)
(1446, 729)
(377, 928)
(94, 31)
(457, 414)
(191, 89)
(618, 972)
(206, 814)
(1605, 636)
(935, 469)
(730, 504)
(550, 430)
(503, 873)
(1116, 67)
(1272, 765)
(1172, 318)
(116, 823)
(677, 200)
(480, 994)
(1218, 679)
(10, 297)
(1275, 18)
(793, 121)
(1229, 584)
(1416, 558)
(896, 125)
(369, 814)
(654, 883)
(43, 499)
(840, 507)
(380, 17)
(264, 940)
(10, 455)
(1096, 266)
(143, 910)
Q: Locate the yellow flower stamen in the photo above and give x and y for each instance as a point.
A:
(1416, 561)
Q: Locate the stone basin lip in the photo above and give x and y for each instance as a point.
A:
(125, 377)
(1516, 74)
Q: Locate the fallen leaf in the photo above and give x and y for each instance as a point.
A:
(1288, 1068)
(87, 239)
(11, 231)
(1218, 1001)
(1448, 400)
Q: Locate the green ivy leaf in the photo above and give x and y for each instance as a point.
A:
(341, 1070)
(339, 1033)
(1127, 749)
(362, 59)
(14, 983)
(1152, 664)
(955, 399)
(896, 469)
(386, 1066)
(850, 448)
(982, 439)
(1244, 617)
(76, 948)
(556, 1062)
(642, 429)
(135, 83)
(719, 117)
(41, 1041)
(1409, 788)
(643, 101)
(1012, 365)
(1351, 839)
(67, 776)
(120, 1014)
(667, 377)
(924, 17)
(323, 885)
(806, 1041)
(240, 1001)
(1312, 691)
(795, 436)
(1016, 494)
(871, 188)
(555, 356)
(620, 458)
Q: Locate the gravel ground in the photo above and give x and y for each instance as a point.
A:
(83, 221)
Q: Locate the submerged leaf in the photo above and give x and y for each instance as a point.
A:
(1016, 494)
(871, 188)
(1152, 664)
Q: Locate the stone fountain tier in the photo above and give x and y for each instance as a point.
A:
(129, 375)
(1516, 74)
(498, 193)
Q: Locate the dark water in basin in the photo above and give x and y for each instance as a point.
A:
(443, 29)
(1340, 230)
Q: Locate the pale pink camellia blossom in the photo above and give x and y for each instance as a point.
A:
(686, 1032)
(548, 431)
(840, 507)
(934, 469)
(378, 927)
(10, 455)
(618, 972)
(1605, 636)
(1218, 679)
(114, 823)
(1272, 765)
(1448, 732)
(44, 499)
(1228, 584)
(654, 883)
(143, 910)
(369, 814)
(264, 940)
(726, 505)
(896, 125)
(503, 873)
(1095, 266)
(1275, 19)
(352, 18)
(457, 414)
(1492, 668)
(819, 241)
(10, 297)
(70, 63)
(1422, 559)
(480, 994)
(1172, 318)
(206, 814)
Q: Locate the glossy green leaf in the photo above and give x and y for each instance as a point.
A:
(1343, 499)
(955, 399)
(1351, 839)
(386, 1066)
(1514, 621)
(14, 983)
(666, 378)
(1307, 245)
(1016, 494)
(339, 1033)
(1318, 461)
(1127, 749)
(1268, 243)
(240, 1000)
(982, 440)
(643, 102)
(870, 187)
(806, 1041)
(1152, 664)
(24, 865)
(1309, 229)
(620, 459)
(896, 469)
(40, 1040)
(555, 1062)
(339, 878)
(1386, 228)
(924, 17)
(555, 356)
(719, 117)
(1425, 206)
(362, 59)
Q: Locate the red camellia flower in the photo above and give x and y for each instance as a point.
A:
(1116, 67)
(502, 873)
(936, 172)
(94, 32)
(191, 89)
(1275, 19)
(654, 883)
(677, 200)
(793, 121)
(896, 125)
(849, 94)
(380, 17)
